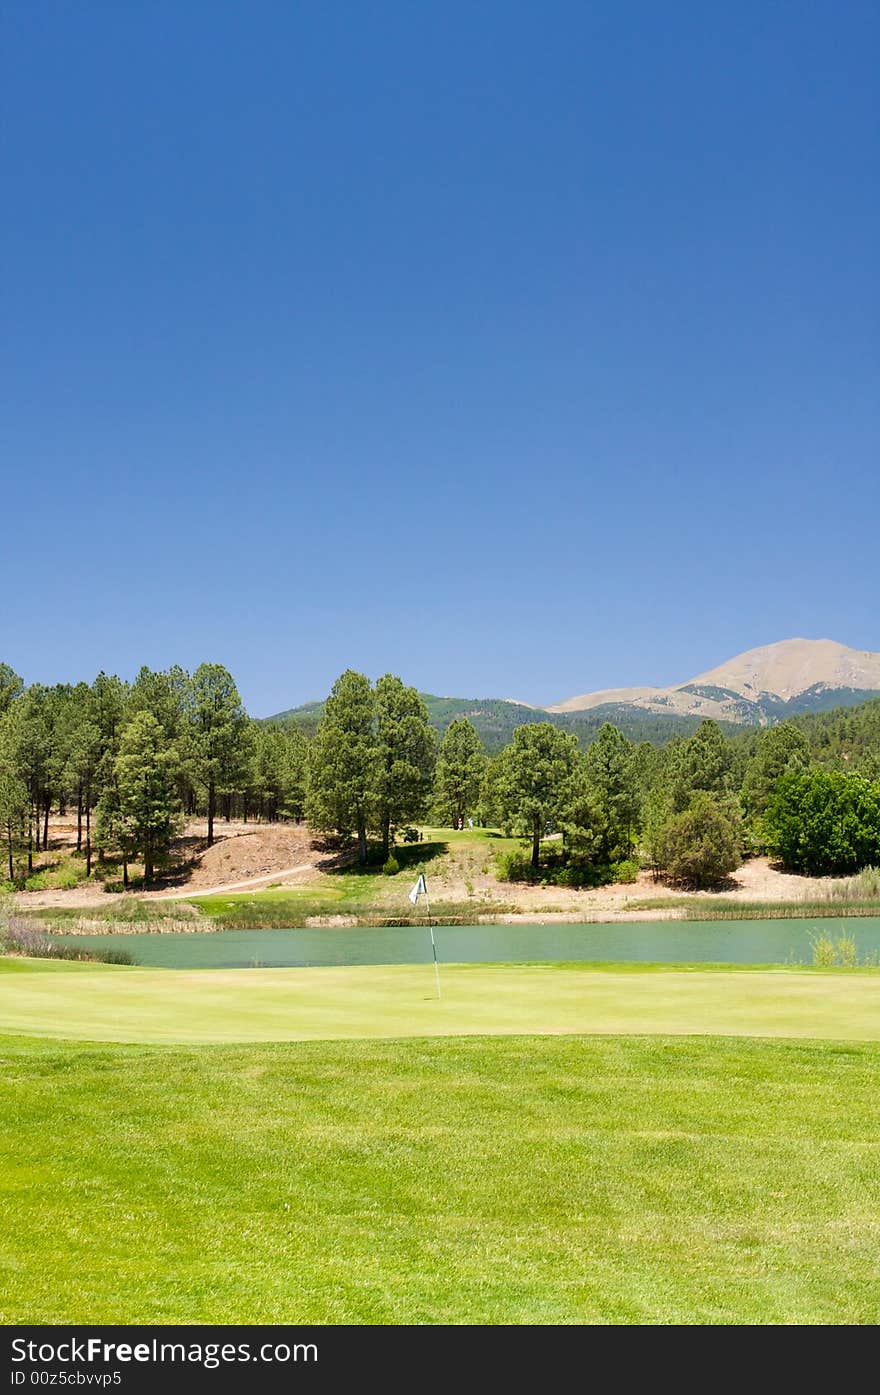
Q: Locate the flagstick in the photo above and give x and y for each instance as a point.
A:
(433, 945)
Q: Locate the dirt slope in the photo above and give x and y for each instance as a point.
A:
(249, 850)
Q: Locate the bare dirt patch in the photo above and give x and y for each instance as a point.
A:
(241, 852)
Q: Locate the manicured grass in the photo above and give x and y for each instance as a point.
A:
(107, 1003)
(519, 1179)
(485, 841)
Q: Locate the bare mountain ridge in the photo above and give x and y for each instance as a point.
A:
(760, 685)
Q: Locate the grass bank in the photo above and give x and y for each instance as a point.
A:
(702, 909)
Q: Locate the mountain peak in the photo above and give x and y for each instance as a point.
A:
(753, 686)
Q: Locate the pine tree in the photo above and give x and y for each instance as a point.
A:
(610, 772)
(145, 772)
(217, 735)
(343, 761)
(461, 765)
(406, 746)
(531, 778)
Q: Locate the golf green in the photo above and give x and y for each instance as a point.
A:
(114, 1003)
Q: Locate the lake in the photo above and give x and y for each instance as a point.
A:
(663, 941)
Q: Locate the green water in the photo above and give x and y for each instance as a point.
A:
(668, 941)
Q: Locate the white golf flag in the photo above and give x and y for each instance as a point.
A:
(420, 889)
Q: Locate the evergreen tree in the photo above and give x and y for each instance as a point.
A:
(343, 760)
(295, 775)
(781, 750)
(217, 735)
(277, 782)
(609, 771)
(266, 778)
(115, 830)
(28, 755)
(11, 687)
(14, 805)
(166, 694)
(84, 750)
(458, 776)
(701, 846)
(405, 749)
(531, 779)
(108, 701)
(145, 771)
(702, 763)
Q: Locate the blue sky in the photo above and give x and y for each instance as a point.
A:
(518, 348)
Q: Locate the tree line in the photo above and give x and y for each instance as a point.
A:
(133, 759)
(130, 760)
(690, 809)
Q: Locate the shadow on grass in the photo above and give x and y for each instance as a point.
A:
(409, 856)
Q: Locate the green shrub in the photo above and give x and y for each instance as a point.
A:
(847, 953)
(625, 871)
(824, 953)
(69, 877)
(391, 867)
(827, 952)
(516, 866)
(579, 875)
(558, 869)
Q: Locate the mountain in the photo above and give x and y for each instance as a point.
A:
(760, 686)
(754, 689)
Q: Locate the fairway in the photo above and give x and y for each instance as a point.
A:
(492, 1180)
(554, 1144)
(109, 1003)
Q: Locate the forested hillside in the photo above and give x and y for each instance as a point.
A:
(849, 735)
(495, 720)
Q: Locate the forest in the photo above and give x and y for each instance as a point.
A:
(131, 761)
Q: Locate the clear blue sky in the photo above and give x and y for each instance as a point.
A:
(519, 348)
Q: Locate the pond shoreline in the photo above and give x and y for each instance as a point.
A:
(206, 926)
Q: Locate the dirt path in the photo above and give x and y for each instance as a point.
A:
(280, 876)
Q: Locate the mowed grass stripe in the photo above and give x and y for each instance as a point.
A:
(106, 1003)
(540, 1179)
